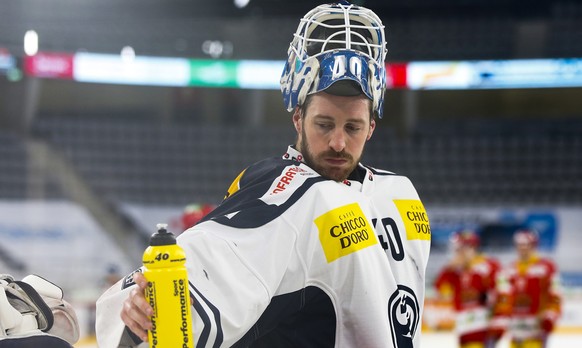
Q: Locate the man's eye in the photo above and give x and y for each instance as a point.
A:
(353, 128)
(324, 125)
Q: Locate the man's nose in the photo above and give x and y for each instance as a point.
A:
(338, 140)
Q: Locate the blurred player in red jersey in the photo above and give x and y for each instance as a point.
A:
(193, 213)
(468, 281)
(529, 294)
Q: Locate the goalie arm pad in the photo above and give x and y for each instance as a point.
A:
(65, 323)
(24, 298)
(37, 297)
(10, 317)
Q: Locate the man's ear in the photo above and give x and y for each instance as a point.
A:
(372, 127)
(297, 119)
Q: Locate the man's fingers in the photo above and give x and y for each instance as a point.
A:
(135, 313)
(135, 327)
(137, 296)
(138, 300)
(133, 321)
(140, 280)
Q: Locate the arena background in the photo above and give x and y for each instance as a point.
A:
(89, 163)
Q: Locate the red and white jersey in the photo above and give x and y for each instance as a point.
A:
(291, 259)
(471, 290)
(529, 292)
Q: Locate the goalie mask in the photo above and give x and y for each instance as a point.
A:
(338, 48)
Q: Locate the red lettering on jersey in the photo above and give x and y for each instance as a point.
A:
(286, 179)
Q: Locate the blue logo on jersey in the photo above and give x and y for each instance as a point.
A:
(403, 312)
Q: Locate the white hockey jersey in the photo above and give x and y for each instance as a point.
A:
(291, 259)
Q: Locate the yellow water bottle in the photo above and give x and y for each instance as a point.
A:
(167, 292)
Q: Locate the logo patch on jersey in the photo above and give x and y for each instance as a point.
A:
(404, 315)
(344, 230)
(415, 218)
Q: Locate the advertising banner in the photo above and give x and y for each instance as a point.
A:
(59, 241)
(49, 65)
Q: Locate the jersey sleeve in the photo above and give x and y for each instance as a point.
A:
(109, 328)
(233, 275)
(236, 258)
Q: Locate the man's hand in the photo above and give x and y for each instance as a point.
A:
(136, 311)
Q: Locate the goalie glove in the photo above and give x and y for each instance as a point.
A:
(26, 300)
(41, 299)
(10, 317)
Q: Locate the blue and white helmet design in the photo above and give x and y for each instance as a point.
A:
(336, 42)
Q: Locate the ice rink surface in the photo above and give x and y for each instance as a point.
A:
(448, 340)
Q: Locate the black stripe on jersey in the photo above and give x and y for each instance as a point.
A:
(204, 335)
(256, 181)
(303, 318)
(380, 171)
(203, 339)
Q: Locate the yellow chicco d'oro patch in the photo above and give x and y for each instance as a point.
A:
(415, 218)
(344, 230)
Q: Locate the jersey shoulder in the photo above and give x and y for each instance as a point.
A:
(264, 191)
(381, 172)
(399, 186)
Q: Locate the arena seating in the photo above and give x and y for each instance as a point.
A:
(13, 166)
(174, 164)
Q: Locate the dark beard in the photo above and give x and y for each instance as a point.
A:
(321, 170)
